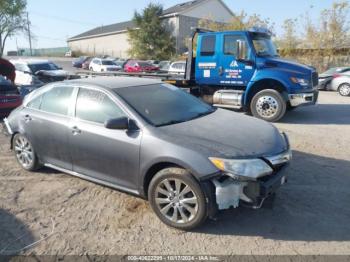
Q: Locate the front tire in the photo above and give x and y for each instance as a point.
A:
(268, 105)
(344, 89)
(177, 199)
(25, 153)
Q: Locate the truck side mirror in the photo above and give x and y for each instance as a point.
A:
(241, 50)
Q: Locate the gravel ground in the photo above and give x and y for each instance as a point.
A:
(73, 217)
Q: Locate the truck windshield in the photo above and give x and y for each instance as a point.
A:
(163, 104)
(264, 46)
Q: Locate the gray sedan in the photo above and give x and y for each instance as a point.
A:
(154, 141)
(341, 83)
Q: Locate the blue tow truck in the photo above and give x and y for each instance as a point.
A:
(242, 70)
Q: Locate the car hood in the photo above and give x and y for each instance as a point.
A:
(324, 76)
(226, 134)
(289, 65)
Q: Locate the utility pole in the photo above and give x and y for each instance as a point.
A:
(29, 36)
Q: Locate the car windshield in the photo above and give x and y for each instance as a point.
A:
(163, 104)
(44, 66)
(107, 62)
(264, 46)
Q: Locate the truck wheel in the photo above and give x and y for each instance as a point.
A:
(177, 199)
(268, 105)
(344, 90)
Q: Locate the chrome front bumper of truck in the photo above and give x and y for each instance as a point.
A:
(302, 99)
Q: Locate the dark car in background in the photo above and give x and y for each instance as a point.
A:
(10, 97)
(78, 63)
(326, 78)
(152, 140)
(137, 66)
(86, 63)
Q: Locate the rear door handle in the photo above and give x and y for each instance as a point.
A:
(27, 118)
(76, 130)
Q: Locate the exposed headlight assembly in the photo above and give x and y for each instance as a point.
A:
(243, 169)
(301, 81)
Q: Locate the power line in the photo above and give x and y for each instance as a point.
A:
(63, 19)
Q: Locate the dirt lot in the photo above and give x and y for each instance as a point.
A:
(311, 214)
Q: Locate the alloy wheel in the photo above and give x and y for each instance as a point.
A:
(344, 90)
(24, 151)
(176, 201)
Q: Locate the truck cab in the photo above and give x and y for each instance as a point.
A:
(242, 69)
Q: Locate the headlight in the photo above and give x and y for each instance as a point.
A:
(243, 168)
(301, 81)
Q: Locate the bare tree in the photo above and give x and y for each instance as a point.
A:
(241, 21)
(289, 40)
(12, 20)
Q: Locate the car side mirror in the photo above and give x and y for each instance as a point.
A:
(122, 123)
(241, 50)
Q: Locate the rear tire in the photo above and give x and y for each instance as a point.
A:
(177, 199)
(25, 153)
(344, 89)
(268, 105)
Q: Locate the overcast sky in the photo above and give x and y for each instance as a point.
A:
(54, 21)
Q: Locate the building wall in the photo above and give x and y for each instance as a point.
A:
(116, 45)
(212, 9)
(186, 24)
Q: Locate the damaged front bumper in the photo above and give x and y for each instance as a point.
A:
(230, 192)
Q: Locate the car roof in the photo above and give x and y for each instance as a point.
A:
(31, 61)
(115, 82)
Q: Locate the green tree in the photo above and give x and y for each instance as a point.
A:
(151, 38)
(12, 20)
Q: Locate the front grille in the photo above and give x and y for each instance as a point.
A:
(314, 79)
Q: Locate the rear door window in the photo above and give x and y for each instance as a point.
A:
(35, 103)
(57, 100)
(208, 45)
(95, 106)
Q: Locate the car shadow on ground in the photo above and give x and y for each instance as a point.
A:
(313, 206)
(322, 114)
(14, 236)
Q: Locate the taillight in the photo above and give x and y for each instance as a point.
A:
(336, 75)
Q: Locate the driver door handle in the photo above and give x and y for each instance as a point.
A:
(76, 130)
(221, 71)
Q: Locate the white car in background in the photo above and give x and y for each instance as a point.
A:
(35, 72)
(177, 68)
(103, 65)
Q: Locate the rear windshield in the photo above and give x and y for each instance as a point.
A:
(144, 64)
(44, 66)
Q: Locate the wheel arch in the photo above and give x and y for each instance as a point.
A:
(262, 84)
(154, 169)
